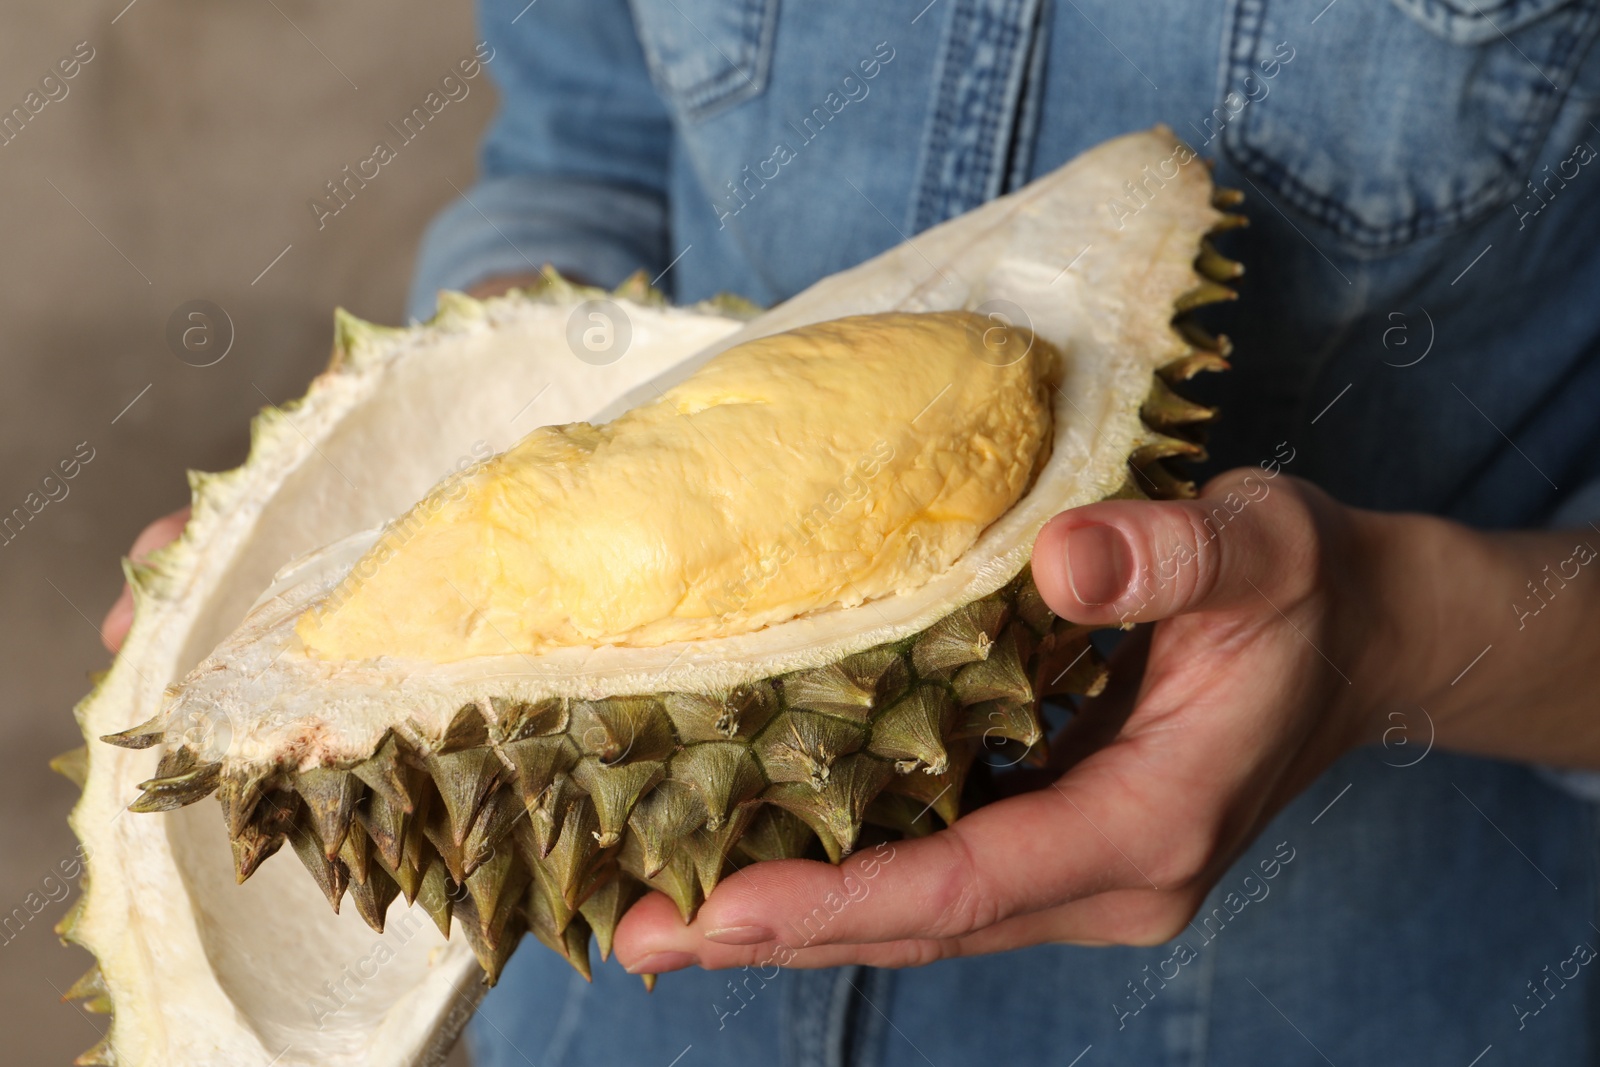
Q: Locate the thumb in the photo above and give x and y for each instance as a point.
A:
(119, 620)
(1125, 561)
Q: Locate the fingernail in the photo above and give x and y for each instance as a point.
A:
(662, 962)
(740, 935)
(1099, 564)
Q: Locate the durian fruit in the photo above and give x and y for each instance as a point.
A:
(630, 687)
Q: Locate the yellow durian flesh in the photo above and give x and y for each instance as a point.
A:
(816, 468)
(205, 971)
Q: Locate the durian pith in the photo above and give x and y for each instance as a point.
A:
(545, 789)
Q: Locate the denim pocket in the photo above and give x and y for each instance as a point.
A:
(1466, 22)
(1392, 122)
(705, 55)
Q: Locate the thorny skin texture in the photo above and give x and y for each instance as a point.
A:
(1289, 636)
(1285, 642)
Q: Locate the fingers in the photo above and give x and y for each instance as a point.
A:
(118, 621)
(1109, 826)
(1123, 846)
(1122, 917)
(158, 534)
(1127, 561)
(1157, 813)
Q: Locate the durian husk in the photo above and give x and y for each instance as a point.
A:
(552, 817)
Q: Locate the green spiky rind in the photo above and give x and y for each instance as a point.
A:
(607, 905)
(647, 789)
(90, 986)
(731, 305)
(1174, 436)
(101, 1055)
(1176, 424)
(553, 287)
(637, 288)
(887, 736)
(359, 349)
(73, 765)
(455, 311)
(357, 342)
(224, 499)
(92, 995)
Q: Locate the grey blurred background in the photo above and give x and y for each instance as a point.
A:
(178, 166)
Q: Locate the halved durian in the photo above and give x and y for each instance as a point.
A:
(544, 789)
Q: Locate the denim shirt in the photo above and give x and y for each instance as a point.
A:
(1418, 328)
(1420, 320)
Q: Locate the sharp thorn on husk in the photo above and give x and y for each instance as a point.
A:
(145, 735)
(330, 797)
(174, 790)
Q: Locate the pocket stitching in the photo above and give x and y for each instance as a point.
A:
(1515, 11)
(725, 88)
(1531, 131)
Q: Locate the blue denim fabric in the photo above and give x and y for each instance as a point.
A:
(1419, 327)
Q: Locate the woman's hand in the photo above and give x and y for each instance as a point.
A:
(162, 532)
(1287, 627)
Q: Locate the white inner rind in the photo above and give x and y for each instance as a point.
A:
(269, 688)
(284, 707)
(203, 971)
